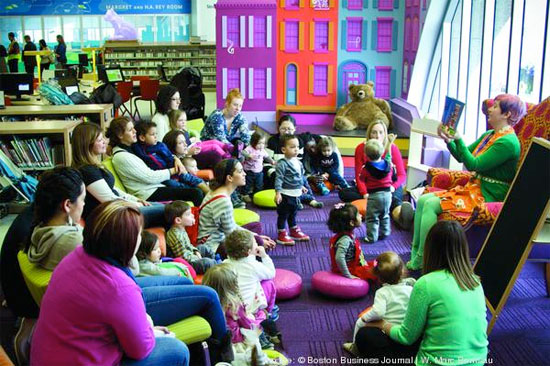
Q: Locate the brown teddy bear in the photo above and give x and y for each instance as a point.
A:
(363, 109)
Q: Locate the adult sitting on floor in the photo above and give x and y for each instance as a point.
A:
(88, 144)
(493, 157)
(168, 99)
(136, 176)
(401, 212)
(446, 309)
(216, 219)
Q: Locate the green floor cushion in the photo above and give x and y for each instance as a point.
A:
(195, 125)
(265, 198)
(36, 277)
(191, 330)
(108, 164)
(244, 216)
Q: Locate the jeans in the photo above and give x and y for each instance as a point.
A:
(167, 351)
(336, 179)
(351, 194)
(286, 211)
(371, 342)
(170, 299)
(254, 182)
(378, 215)
(153, 215)
(13, 65)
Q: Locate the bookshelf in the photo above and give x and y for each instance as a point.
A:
(31, 150)
(141, 59)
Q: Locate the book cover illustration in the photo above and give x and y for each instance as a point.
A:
(451, 114)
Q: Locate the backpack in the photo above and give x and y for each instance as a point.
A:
(106, 94)
(188, 81)
(193, 231)
(52, 92)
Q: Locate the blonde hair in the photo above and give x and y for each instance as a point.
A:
(371, 126)
(223, 279)
(374, 149)
(82, 141)
(173, 117)
(233, 93)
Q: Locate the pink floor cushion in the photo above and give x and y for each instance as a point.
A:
(287, 283)
(335, 285)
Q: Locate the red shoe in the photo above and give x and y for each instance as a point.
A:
(297, 234)
(284, 239)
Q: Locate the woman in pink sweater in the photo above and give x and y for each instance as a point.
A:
(93, 312)
(401, 212)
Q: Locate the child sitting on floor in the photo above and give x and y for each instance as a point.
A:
(346, 256)
(326, 166)
(178, 214)
(255, 278)
(149, 256)
(391, 300)
(157, 156)
(254, 157)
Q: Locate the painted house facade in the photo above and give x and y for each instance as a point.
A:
(415, 13)
(370, 46)
(307, 37)
(246, 54)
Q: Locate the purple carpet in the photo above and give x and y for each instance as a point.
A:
(315, 326)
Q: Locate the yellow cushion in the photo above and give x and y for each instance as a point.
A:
(274, 355)
(194, 125)
(36, 277)
(108, 164)
(265, 198)
(191, 330)
(244, 216)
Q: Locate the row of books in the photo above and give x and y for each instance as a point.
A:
(34, 153)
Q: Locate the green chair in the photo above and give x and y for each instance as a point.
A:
(191, 330)
(244, 216)
(108, 164)
(36, 277)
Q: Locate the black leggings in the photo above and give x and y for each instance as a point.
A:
(372, 343)
(194, 195)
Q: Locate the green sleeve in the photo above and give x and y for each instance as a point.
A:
(500, 152)
(453, 147)
(415, 319)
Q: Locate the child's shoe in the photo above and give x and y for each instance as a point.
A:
(300, 205)
(274, 315)
(323, 189)
(246, 198)
(265, 343)
(284, 239)
(351, 348)
(316, 204)
(297, 234)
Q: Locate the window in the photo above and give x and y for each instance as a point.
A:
(385, 26)
(501, 46)
(233, 79)
(259, 83)
(91, 33)
(52, 25)
(416, 2)
(405, 77)
(408, 34)
(355, 33)
(415, 34)
(320, 79)
(291, 74)
(355, 4)
(233, 30)
(409, 3)
(321, 36)
(33, 27)
(383, 76)
(292, 4)
(385, 4)
(259, 31)
(291, 36)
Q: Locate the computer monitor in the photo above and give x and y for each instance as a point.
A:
(83, 59)
(17, 84)
(70, 71)
(114, 74)
(101, 74)
(161, 72)
(69, 85)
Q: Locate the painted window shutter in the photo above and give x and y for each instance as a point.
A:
(331, 3)
(374, 35)
(251, 31)
(250, 83)
(282, 3)
(224, 82)
(396, 4)
(330, 82)
(301, 3)
(365, 4)
(311, 35)
(310, 79)
(268, 83)
(268, 31)
(243, 80)
(375, 4)
(224, 31)
(301, 36)
(282, 36)
(365, 32)
(394, 35)
(344, 4)
(331, 36)
(373, 75)
(344, 35)
(392, 83)
(242, 41)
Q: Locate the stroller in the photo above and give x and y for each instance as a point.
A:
(188, 81)
(13, 178)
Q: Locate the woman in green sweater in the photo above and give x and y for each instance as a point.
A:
(446, 309)
(494, 159)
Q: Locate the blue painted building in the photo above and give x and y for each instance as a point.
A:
(370, 46)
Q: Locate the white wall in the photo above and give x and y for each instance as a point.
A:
(203, 19)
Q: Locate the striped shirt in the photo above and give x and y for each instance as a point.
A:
(179, 245)
(216, 220)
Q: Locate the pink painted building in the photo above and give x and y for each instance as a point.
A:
(246, 54)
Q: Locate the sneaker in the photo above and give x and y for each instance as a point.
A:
(415, 264)
(324, 190)
(368, 241)
(265, 343)
(297, 234)
(284, 239)
(274, 315)
(351, 348)
(246, 198)
(316, 204)
(406, 217)
(300, 205)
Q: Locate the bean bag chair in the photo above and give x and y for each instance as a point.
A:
(361, 205)
(287, 283)
(265, 198)
(244, 216)
(335, 285)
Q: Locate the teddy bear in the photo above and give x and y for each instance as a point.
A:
(363, 109)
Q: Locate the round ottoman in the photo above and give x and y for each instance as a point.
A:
(361, 205)
(244, 216)
(287, 283)
(265, 198)
(335, 285)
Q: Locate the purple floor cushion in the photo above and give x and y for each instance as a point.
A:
(287, 283)
(335, 285)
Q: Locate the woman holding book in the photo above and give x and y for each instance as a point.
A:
(493, 158)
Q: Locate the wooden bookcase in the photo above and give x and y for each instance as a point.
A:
(141, 59)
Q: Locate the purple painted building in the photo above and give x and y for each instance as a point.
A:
(246, 55)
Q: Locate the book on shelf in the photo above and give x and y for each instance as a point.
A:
(34, 153)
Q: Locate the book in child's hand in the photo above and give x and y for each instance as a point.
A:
(451, 114)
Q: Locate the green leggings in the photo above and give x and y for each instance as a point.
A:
(428, 208)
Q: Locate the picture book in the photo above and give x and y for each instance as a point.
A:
(451, 114)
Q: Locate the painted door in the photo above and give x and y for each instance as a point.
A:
(354, 73)
(291, 84)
